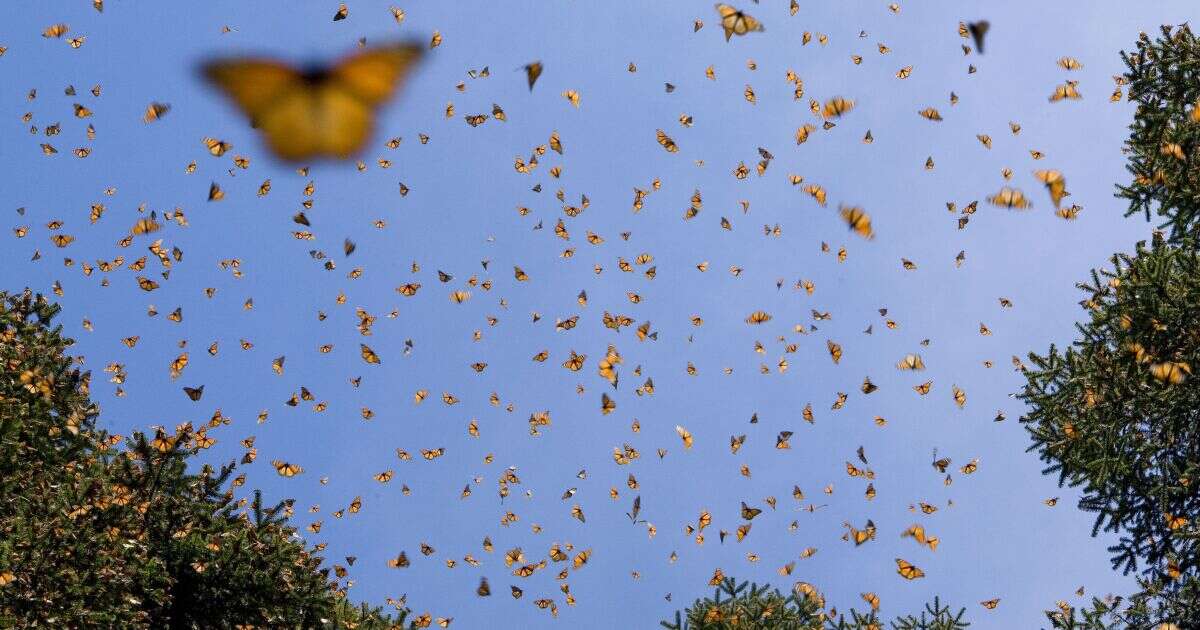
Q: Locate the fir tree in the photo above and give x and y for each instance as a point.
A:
(97, 532)
(1118, 412)
(1164, 81)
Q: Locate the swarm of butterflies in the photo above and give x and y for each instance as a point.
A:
(329, 113)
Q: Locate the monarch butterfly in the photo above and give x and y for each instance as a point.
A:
(285, 469)
(859, 221)
(735, 22)
(572, 97)
(154, 111)
(195, 393)
(1069, 63)
(399, 561)
(748, 512)
(835, 351)
(923, 388)
(990, 604)
(61, 240)
(319, 111)
(836, 107)
(931, 113)
(684, 435)
(960, 397)
(607, 405)
(758, 317)
(368, 354)
(977, 31)
(1175, 522)
(1055, 184)
(56, 30)
(1173, 372)
(1009, 198)
(1065, 91)
(533, 70)
(911, 362)
(907, 570)
(817, 193)
(666, 142)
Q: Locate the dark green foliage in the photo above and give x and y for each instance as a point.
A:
(1164, 80)
(96, 535)
(750, 607)
(1102, 420)
(934, 617)
(1118, 413)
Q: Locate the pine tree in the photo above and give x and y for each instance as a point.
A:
(1118, 412)
(96, 531)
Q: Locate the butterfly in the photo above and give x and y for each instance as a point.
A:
(285, 469)
(907, 570)
(318, 111)
(978, 30)
(532, 72)
(1056, 185)
(859, 221)
(836, 107)
(735, 22)
(666, 142)
(758, 317)
(1066, 91)
(1009, 198)
(368, 354)
(911, 362)
(1171, 372)
(684, 435)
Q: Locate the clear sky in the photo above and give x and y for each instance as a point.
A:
(997, 540)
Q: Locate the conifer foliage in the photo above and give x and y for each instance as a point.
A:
(1164, 81)
(101, 532)
(1118, 412)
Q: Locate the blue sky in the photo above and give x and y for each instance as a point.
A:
(997, 540)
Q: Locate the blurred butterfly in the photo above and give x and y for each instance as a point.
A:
(1055, 183)
(978, 30)
(1009, 198)
(735, 22)
(532, 72)
(317, 111)
(1172, 372)
(859, 221)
